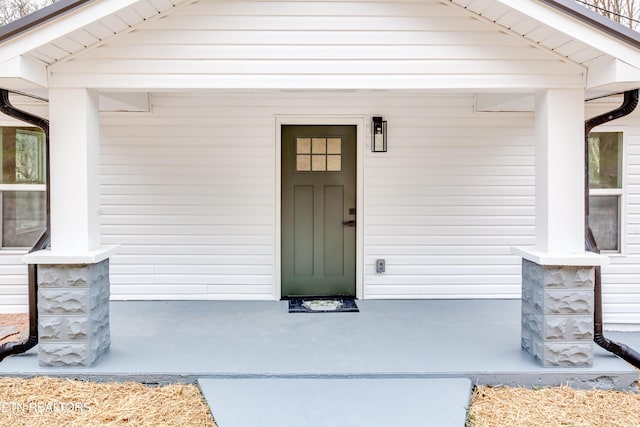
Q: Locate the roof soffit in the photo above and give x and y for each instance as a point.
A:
(62, 33)
(540, 22)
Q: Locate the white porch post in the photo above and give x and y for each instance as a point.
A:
(75, 137)
(558, 275)
(73, 276)
(560, 171)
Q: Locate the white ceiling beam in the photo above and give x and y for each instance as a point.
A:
(22, 72)
(612, 72)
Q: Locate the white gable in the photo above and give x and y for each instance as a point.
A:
(317, 45)
(342, 44)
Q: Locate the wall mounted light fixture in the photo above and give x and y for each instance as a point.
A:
(378, 135)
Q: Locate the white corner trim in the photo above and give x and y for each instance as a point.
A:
(91, 257)
(569, 259)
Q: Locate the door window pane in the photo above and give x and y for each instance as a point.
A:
(334, 163)
(303, 162)
(303, 145)
(605, 160)
(319, 145)
(334, 146)
(604, 220)
(319, 163)
(24, 217)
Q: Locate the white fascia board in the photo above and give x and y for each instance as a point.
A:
(576, 29)
(24, 72)
(612, 71)
(59, 27)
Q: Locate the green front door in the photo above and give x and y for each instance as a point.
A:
(318, 210)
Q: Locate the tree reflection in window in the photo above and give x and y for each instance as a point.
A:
(29, 156)
(22, 189)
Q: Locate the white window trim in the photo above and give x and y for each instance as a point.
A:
(622, 192)
(23, 187)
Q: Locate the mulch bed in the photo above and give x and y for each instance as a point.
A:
(44, 402)
(554, 406)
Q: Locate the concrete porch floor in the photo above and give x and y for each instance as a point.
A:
(168, 341)
(410, 363)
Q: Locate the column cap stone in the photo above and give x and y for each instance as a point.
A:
(50, 257)
(583, 259)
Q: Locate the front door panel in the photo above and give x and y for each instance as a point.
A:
(318, 210)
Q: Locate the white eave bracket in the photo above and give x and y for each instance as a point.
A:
(23, 72)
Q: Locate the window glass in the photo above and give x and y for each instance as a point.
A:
(23, 156)
(22, 162)
(605, 160)
(24, 217)
(604, 219)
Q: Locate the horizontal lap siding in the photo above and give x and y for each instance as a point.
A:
(302, 44)
(13, 282)
(444, 205)
(188, 193)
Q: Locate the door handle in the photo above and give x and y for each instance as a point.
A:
(351, 223)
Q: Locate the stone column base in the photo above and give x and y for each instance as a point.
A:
(73, 313)
(557, 314)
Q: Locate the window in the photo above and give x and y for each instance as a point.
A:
(319, 154)
(605, 189)
(22, 186)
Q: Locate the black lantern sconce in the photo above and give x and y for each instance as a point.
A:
(378, 135)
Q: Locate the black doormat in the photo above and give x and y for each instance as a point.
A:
(322, 305)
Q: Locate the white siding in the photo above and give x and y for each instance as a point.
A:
(188, 192)
(311, 44)
(13, 282)
(449, 199)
